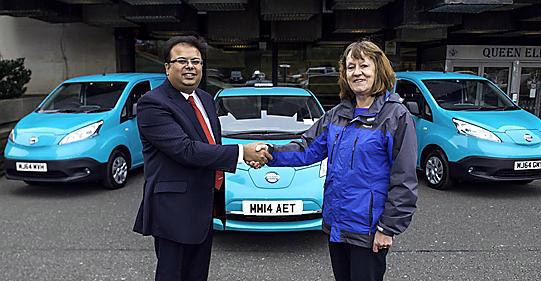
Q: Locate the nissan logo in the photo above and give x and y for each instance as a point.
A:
(528, 137)
(33, 140)
(272, 177)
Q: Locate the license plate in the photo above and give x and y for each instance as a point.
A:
(31, 167)
(272, 208)
(528, 165)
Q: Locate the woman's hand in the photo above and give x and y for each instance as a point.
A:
(381, 241)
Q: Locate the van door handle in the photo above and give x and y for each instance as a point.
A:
(126, 129)
(425, 129)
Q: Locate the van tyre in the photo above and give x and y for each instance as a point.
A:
(117, 170)
(436, 171)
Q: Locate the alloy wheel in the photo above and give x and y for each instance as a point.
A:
(119, 170)
(434, 170)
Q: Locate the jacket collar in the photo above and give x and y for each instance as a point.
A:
(347, 106)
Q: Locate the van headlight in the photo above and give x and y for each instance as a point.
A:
(11, 136)
(323, 168)
(468, 129)
(83, 133)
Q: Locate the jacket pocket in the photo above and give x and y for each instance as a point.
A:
(170, 186)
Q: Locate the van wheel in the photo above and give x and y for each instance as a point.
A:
(436, 168)
(117, 170)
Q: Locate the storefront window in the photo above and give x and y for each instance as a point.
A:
(467, 69)
(499, 76)
(530, 85)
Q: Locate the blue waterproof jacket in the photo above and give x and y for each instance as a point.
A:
(371, 171)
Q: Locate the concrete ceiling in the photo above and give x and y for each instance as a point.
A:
(251, 21)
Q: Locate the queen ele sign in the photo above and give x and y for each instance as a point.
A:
(476, 52)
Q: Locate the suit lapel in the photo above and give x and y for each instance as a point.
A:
(181, 103)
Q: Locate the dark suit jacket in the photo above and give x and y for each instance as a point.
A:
(180, 165)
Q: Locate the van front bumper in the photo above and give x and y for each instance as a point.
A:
(255, 224)
(71, 170)
(475, 168)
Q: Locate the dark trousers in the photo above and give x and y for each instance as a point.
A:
(182, 262)
(354, 263)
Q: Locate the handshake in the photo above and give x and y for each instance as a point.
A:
(256, 154)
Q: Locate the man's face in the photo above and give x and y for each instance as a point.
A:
(185, 70)
(360, 74)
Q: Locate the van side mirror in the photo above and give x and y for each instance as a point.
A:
(413, 107)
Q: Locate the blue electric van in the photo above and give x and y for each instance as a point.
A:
(469, 129)
(84, 130)
(270, 199)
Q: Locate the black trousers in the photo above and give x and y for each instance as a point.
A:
(354, 263)
(182, 262)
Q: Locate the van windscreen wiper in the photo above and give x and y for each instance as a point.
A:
(509, 107)
(260, 132)
(101, 109)
(67, 110)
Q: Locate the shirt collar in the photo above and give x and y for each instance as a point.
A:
(186, 96)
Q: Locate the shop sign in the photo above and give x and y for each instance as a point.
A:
(494, 53)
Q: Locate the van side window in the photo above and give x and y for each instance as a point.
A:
(413, 99)
(136, 92)
(428, 112)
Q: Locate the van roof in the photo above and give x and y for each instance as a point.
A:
(124, 77)
(423, 75)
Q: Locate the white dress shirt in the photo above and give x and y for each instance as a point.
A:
(204, 113)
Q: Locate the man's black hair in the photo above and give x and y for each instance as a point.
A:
(191, 40)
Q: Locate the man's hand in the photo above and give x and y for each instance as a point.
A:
(381, 241)
(256, 154)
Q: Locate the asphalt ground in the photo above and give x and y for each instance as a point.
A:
(83, 232)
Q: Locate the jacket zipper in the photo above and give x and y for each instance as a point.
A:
(332, 149)
(353, 151)
(334, 144)
(370, 212)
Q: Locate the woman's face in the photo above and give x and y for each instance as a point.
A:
(360, 74)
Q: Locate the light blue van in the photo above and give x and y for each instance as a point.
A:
(468, 129)
(269, 199)
(84, 130)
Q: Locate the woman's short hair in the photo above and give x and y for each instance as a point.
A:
(384, 78)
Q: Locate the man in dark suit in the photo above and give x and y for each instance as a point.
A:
(184, 164)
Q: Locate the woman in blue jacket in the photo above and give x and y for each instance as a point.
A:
(371, 186)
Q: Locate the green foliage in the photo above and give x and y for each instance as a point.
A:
(13, 77)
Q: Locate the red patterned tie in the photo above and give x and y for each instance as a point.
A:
(219, 174)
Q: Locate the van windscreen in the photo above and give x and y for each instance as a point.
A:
(84, 97)
(468, 94)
